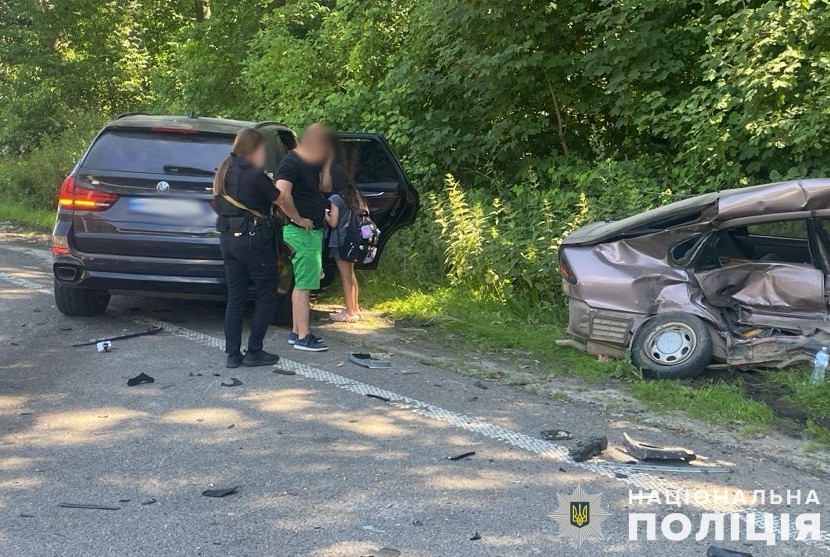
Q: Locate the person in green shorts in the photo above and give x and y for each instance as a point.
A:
(302, 201)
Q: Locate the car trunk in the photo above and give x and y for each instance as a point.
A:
(162, 180)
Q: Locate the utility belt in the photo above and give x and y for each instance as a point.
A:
(248, 224)
(251, 222)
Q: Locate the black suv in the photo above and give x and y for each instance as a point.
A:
(136, 213)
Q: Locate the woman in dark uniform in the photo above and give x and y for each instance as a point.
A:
(244, 196)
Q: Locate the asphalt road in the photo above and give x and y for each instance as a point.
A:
(322, 469)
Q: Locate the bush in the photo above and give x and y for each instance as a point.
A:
(505, 248)
(33, 180)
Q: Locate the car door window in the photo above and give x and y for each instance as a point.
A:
(367, 162)
(779, 229)
(771, 242)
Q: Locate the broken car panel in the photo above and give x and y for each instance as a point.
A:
(740, 276)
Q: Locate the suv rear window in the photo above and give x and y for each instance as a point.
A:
(158, 152)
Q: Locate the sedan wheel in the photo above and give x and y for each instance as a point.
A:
(672, 345)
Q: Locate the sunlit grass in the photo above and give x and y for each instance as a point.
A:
(718, 403)
(456, 314)
(486, 324)
(815, 399)
(37, 218)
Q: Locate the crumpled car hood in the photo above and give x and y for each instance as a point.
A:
(711, 208)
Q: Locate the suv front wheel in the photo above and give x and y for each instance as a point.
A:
(80, 302)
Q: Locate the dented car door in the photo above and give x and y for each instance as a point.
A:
(766, 273)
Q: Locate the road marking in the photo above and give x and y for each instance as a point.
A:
(545, 449)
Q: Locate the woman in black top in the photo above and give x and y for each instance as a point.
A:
(244, 196)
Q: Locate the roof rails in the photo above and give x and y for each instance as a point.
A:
(270, 123)
(125, 114)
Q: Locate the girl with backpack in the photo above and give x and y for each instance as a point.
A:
(346, 210)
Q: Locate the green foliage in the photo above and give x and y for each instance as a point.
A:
(813, 398)
(505, 247)
(736, 91)
(544, 115)
(59, 60)
(38, 219)
(716, 403)
(31, 181)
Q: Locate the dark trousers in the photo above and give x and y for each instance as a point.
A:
(249, 260)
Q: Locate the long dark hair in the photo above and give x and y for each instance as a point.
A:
(347, 188)
(247, 141)
(349, 192)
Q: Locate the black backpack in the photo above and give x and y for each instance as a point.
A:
(360, 239)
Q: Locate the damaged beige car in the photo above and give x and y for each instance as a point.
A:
(739, 278)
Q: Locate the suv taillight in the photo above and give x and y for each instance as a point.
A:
(73, 196)
(565, 270)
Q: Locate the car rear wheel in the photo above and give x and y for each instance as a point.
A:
(672, 346)
(80, 302)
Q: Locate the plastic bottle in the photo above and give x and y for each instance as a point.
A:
(820, 366)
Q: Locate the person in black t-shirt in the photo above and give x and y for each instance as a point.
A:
(244, 196)
(302, 201)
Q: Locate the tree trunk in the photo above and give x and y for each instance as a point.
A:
(202, 10)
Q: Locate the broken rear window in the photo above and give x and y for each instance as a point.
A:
(684, 248)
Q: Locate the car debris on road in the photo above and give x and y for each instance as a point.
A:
(368, 361)
(139, 379)
(150, 331)
(220, 492)
(556, 435)
(589, 448)
(720, 552)
(89, 506)
(385, 552)
(379, 397)
(645, 451)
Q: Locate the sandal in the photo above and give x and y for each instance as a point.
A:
(343, 317)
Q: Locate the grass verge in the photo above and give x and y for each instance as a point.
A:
(40, 219)
(717, 403)
(489, 324)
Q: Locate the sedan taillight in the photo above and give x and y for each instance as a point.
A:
(73, 196)
(565, 269)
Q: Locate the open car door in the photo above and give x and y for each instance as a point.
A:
(367, 159)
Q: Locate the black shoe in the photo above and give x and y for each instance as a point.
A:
(260, 358)
(310, 344)
(234, 360)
